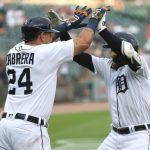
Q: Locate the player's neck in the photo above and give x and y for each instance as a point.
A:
(33, 42)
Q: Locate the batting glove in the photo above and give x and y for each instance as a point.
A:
(128, 50)
(72, 22)
(78, 17)
(97, 16)
(102, 24)
(56, 19)
(99, 12)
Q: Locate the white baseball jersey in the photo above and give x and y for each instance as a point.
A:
(128, 92)
(32, 76)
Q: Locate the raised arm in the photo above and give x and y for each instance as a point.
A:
(83, 41)
(82, 59)
(112, 41)
(124, 44)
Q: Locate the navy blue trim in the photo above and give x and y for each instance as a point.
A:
(41, 137)
(148, 140)
(118, 106)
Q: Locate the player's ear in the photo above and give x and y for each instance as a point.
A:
(42, 36)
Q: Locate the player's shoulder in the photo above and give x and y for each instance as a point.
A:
(64, 43)
(21, 47)
(56, 45)
(101, 60)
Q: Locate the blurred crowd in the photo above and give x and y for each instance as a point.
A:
(3, 79)
(11, 18)
(74, 82)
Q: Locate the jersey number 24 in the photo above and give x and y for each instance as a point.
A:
(21, 83)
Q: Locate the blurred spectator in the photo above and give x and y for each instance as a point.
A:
(133, 29)
(2, 21)
(110, 26)
(145, 55)
(147, 43)
(15, 17)
(64, 87)
(3, 79)
(63, 11)
(2, 5)
(10, 18)
(84, 86)
(118, 28)
(20, 16)
(64, 70)
(130, 28)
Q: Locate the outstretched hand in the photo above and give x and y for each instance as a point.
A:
(76, 19)
(102, 22)
(79, 15)
(73, 22)
(54, 18)
(98, 13)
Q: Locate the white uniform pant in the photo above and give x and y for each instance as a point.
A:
(139, 140)
(18, 134)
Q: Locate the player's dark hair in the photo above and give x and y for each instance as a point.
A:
(29, 34)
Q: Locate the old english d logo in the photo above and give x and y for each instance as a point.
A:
(121, 84)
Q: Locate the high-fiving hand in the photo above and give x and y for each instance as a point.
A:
(98, 13)
(102, 16)
(79, 15)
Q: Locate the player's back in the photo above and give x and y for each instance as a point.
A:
(32, 77)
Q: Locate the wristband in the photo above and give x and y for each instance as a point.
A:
(93, 23)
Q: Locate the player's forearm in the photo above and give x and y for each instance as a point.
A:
(113, 41)
(85, 38)
(83, 41)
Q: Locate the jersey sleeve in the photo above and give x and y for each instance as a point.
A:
(101, 66)
(58, 52)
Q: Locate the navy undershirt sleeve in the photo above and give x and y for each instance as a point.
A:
(84, 60)
(113, 41)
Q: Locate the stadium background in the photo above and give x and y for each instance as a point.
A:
(78, 90)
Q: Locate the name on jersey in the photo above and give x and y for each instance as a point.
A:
(20, 58)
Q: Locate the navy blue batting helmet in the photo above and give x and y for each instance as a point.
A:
(35, 25)
(126, 37)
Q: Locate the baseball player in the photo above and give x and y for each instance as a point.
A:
(31, 68)
(127, 78)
